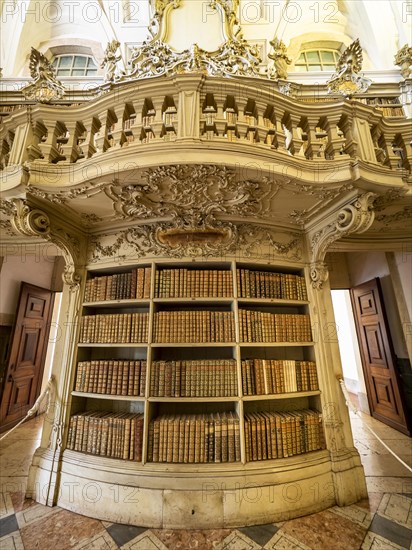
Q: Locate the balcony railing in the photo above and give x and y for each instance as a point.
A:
(208, 110)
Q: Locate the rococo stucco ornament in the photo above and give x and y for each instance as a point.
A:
(155, 57)
(45, 86)
(355, 217)
(279, 67)
(33, 222)
(211, 238)
(191, 191)
(403, 58)
(346, 80)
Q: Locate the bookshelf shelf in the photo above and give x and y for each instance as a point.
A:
(191, 344)
(117, 303)
(108, 396)
(112, 345)
(270, 301)
(276, 396)
(275, 344)
(193, 399)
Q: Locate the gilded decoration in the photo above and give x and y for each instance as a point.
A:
(346, 80)
(403, 59)
(280, 60)
(45, 86)
(110, 63)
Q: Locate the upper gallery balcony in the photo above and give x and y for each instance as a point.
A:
(195, 118)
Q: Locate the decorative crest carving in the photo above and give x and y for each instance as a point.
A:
(403, 58)
(346, 80)
(45, 86)
(110, 63)
(234, 57)
(279, 67)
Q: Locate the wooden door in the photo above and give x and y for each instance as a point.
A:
(27, 354)
(378, 359)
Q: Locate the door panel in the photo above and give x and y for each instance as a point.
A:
(378, 359)
(27, 354)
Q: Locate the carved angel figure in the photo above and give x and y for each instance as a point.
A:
(279, 67)
(404, 59)
(45, 86)
(346, 79)
(110, 61)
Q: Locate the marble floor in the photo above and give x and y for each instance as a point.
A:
(382, 522)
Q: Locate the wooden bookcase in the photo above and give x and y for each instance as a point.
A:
(208, 364)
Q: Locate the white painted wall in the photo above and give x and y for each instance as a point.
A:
(404, 264)
(30, 266)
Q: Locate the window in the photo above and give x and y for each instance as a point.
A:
(317, 60)
(75, 65)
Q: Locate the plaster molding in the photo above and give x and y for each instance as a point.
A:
(30, 221)
(209, 238)
(356, 216)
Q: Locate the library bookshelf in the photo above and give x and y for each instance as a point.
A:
(195, 397)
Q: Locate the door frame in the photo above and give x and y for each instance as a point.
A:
(7, 426)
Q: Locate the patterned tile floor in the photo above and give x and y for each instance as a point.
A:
(383, 522)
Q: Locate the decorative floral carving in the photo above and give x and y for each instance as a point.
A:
(110, 63)
(221, 238)
(234, 57)
(383, 201)
(45, 86)
(60, 197)
(346, 80)
(389, 219)
(403, 58)
(279, 67)
(190, 191)
(322, 193)
(319, 274)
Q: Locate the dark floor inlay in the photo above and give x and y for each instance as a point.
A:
(8, 525)
(121, 534)
(261, 534)
(392, 531)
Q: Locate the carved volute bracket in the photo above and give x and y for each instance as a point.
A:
(355, 217)
(30, 221)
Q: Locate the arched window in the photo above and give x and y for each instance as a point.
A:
(75, 65)
(317, 60)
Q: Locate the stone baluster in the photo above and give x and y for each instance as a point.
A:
(280, 131)
(351, 141)
(51, 147)
(116, 131)
(336, 143)
(92, 125)
(68, 142)
(316, 138)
